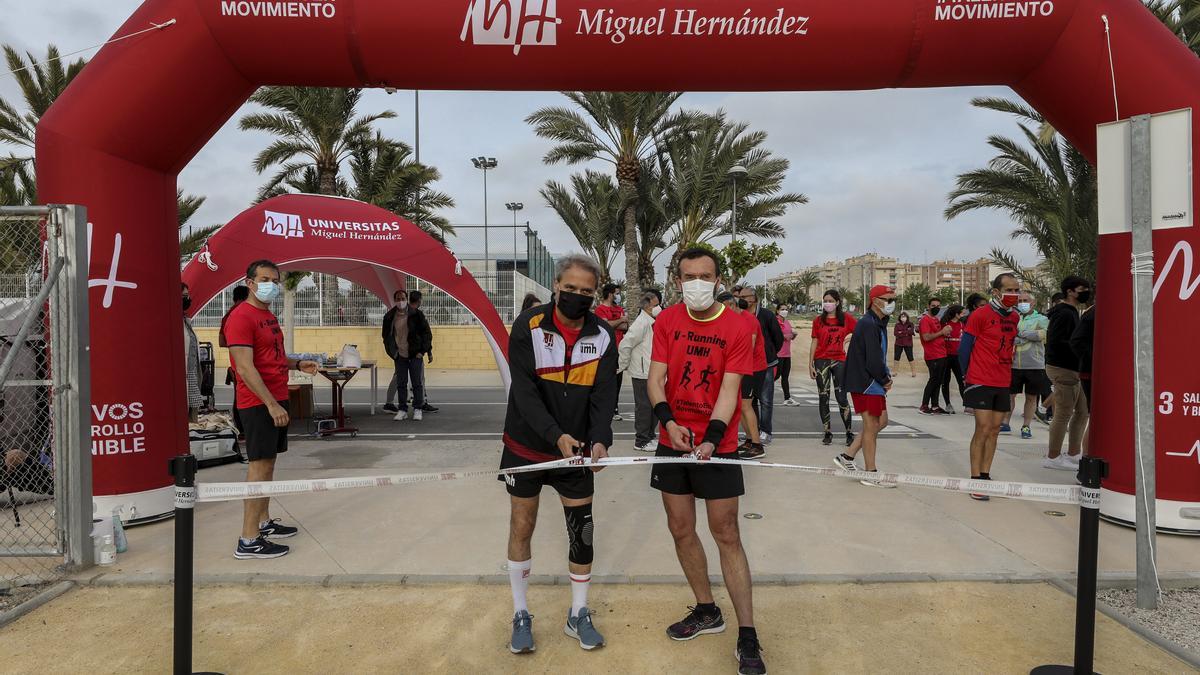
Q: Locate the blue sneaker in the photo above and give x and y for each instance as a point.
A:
(1005, 429)
(275, 530)
(1026, 432)
(260, 549)
(580, 627)
(522, 634)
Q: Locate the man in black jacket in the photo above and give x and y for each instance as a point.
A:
(563, 362)
(868, 379)
(1062, 366)
(406, 337)
(764, 398)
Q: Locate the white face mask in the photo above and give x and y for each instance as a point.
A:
(698, 294)
(655, 310)
(829, 306)
(783, 313)
(889, 308)
(402, 304)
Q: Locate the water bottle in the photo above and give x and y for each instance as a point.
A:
(108, 551)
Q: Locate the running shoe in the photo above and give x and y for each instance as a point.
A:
(844, 461)
(790, 401)
(430, 408)
(580, 627)
(274, 530)
(849, 438)
(418, 414)
(936, 410)
(390, 407)
(401, 415)
(875, 482)
(259, 548)
(1043, 415)
(827, 439)
(1026, 432)
(1060, 463)
(765, 438)
(522, 634)
(925, 410)
(695, 624)
(949, 409)
(755, 451)
(1005, 429)
(749, 657)
(978, 497)
(649, 446)
(1074, 459)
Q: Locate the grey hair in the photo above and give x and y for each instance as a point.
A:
(580, 260)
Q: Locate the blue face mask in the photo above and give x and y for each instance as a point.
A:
(266, 291)
(1023, 307)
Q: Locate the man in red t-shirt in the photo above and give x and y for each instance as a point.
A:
(257, 354)
(933, 339)
(609, 309)
(986, 353)
(701, 353)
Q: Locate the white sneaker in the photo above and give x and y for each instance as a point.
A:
(417, 414)
(789, 401)
(1073, 459)
(1060, 463)
(617, 417)
(650, 446)
(401, 416)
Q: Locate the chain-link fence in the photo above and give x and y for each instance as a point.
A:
(43, 393)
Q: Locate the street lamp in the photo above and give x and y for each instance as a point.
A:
(737, 172)
(485, 164)
(514, 207)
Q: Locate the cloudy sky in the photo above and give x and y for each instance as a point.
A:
(876, 165)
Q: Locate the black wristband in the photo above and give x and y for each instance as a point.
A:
(663, 412)
(715, 432)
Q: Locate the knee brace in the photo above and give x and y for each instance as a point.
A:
(579, 533)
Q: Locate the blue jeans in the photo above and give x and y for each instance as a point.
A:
(766, 400)
(406, 367)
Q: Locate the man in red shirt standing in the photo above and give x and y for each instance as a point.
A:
(610, 310)
(257, 354)
(933, 339)
(701, 353)
(986, 354)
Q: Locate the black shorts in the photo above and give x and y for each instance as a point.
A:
(713, 481)
(980, 397)
(264, 440)
(1033, 382)
(576, 482)
(903, 349)
(752, 383)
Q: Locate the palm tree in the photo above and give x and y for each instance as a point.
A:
(41, 82)
(318, 129)
(622, 128)
(591, 209)
(186, 206)
(807, 280)
(699, 192)
(1047, 187)
(1182, 17)
(384, 175)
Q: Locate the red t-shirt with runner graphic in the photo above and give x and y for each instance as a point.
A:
(935, 348)
(753, 327)
(992, 354)
(698, 353)
(249, 326)
(831, 338)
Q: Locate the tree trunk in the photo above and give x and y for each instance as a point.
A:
(633, 286)
(671, 287)
(330, 293)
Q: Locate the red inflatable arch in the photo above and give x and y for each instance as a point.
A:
(118, 137)
(368, 245)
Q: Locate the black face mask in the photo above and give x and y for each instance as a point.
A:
(573, 305)
(187, 302)
(1084, 296)
(742, 304)
(933, 311)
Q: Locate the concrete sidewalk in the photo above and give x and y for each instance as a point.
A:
(453, 628)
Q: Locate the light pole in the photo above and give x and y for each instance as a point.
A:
(738, 171)
(514, 207)
(485, 164)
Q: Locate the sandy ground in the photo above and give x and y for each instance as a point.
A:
(946, 627)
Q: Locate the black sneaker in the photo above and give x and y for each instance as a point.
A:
(849, 438)
(430, 408)
(259, 548)
(273, 530)
(749, 657)
(828, 439)
(925, 410)
(696, 623)
(390, 407)
(755, 451)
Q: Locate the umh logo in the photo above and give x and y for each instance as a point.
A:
(283, 225)
(511, 22)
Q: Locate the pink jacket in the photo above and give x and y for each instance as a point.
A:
(785, 352)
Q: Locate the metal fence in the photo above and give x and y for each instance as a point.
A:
(317, 304)
(45, 460)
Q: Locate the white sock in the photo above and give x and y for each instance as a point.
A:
(579, 591)
(518, 578)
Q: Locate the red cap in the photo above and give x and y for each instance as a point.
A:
(880, 290)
